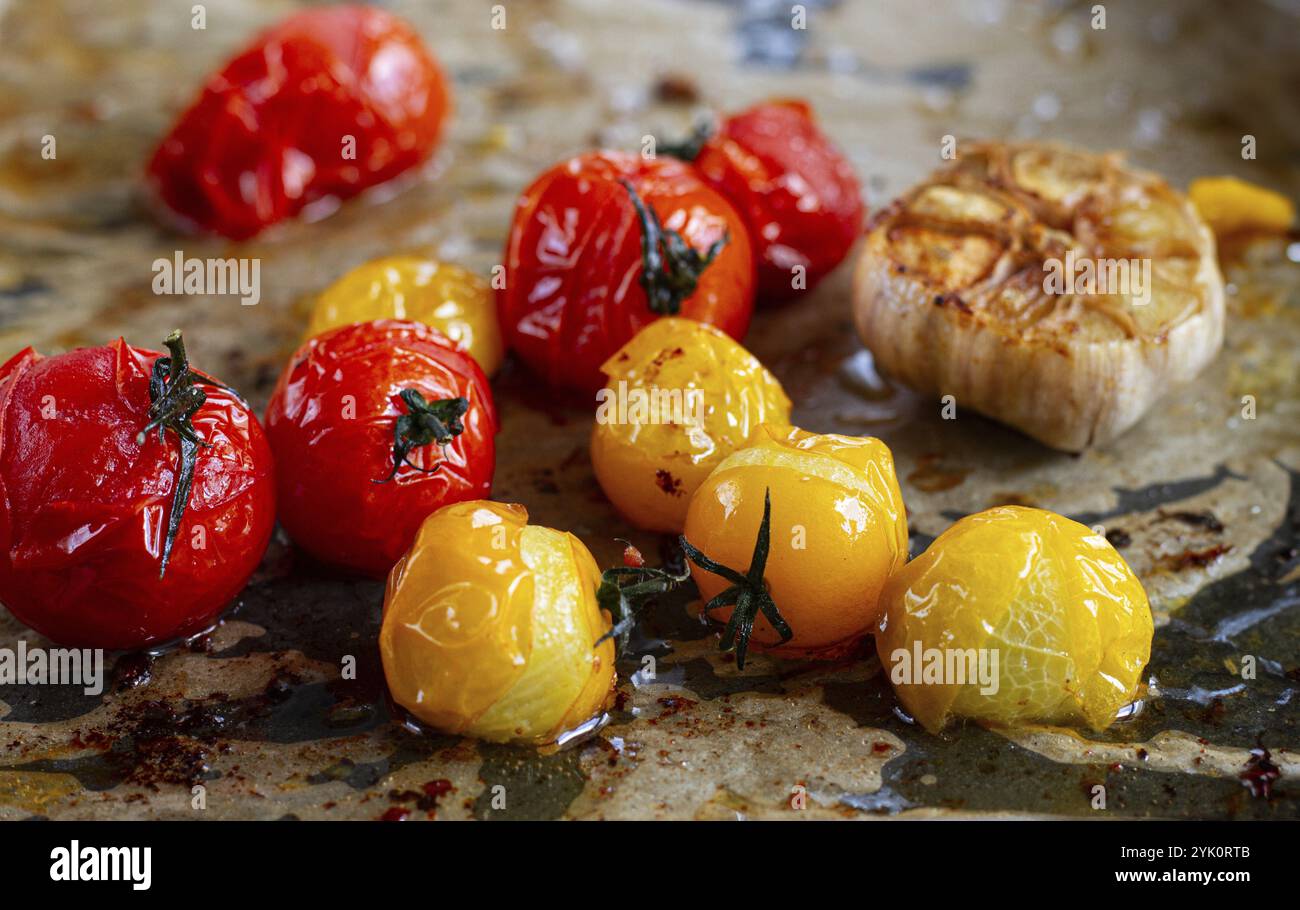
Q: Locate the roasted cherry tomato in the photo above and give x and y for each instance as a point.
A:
(681, 396)
(796, 190)
(377, 424)
(490, 627)
(607, 242)
(136, 495)
(794, 537)
(325, 104)
(1015, 615)
(456, 302)
(1061, 623)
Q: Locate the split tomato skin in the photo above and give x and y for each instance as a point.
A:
(268, 134)
(332, 420)
(838, 531)
(1066, 617)
(84, 507)
(574, 262)
(797, 192)
(491, 626)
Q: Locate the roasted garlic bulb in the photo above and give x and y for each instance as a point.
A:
(490, 627)
(1055, 290)
(1015, 615)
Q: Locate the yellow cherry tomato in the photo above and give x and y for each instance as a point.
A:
(490, 626)
(1015, 615)
(1233, 206)
(838, 529)
(451, 299)
(680, 397)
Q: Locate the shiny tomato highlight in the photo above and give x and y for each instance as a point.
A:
(607, 242)
(326, 104)
(376, 425)
(837, 531)
(87, 501)
(797, 192)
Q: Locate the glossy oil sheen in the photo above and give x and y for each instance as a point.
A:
(85, 507)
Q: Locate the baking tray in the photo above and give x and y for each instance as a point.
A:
(1203, 504)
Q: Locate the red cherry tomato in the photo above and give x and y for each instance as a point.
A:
(797, 192)
(325, 104)
(378, 424)
(98, 546)
(607, 242)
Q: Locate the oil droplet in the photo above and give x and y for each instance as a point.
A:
(32, 790)
(931, 476)
(859, 374)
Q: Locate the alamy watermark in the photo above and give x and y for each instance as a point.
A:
(220, 277)
(24, 666)
(650, 405)
(945, 667)
(1084, 275)
(75, 863)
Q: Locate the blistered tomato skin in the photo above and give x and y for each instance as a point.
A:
(453, 300)
(1068, 622)
(679, 397)
(494, 637)
(332, 420)
(797, 192)
(85, 506)
(573, 291)
(326, 104)
(838, 529)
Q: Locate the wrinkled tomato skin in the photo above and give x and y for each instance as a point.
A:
(798, 193)
(572, 294)
(84, 508)
(266, 136)
(331, 419)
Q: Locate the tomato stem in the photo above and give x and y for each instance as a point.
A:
(670, 267)
(424, 422)
(748, 593)
(626, 601)
(174, 398)
(689, 148)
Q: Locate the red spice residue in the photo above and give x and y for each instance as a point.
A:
(668, 483)
(1260, 773)
(437, 788)
(1199, 558)
(674, 704)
